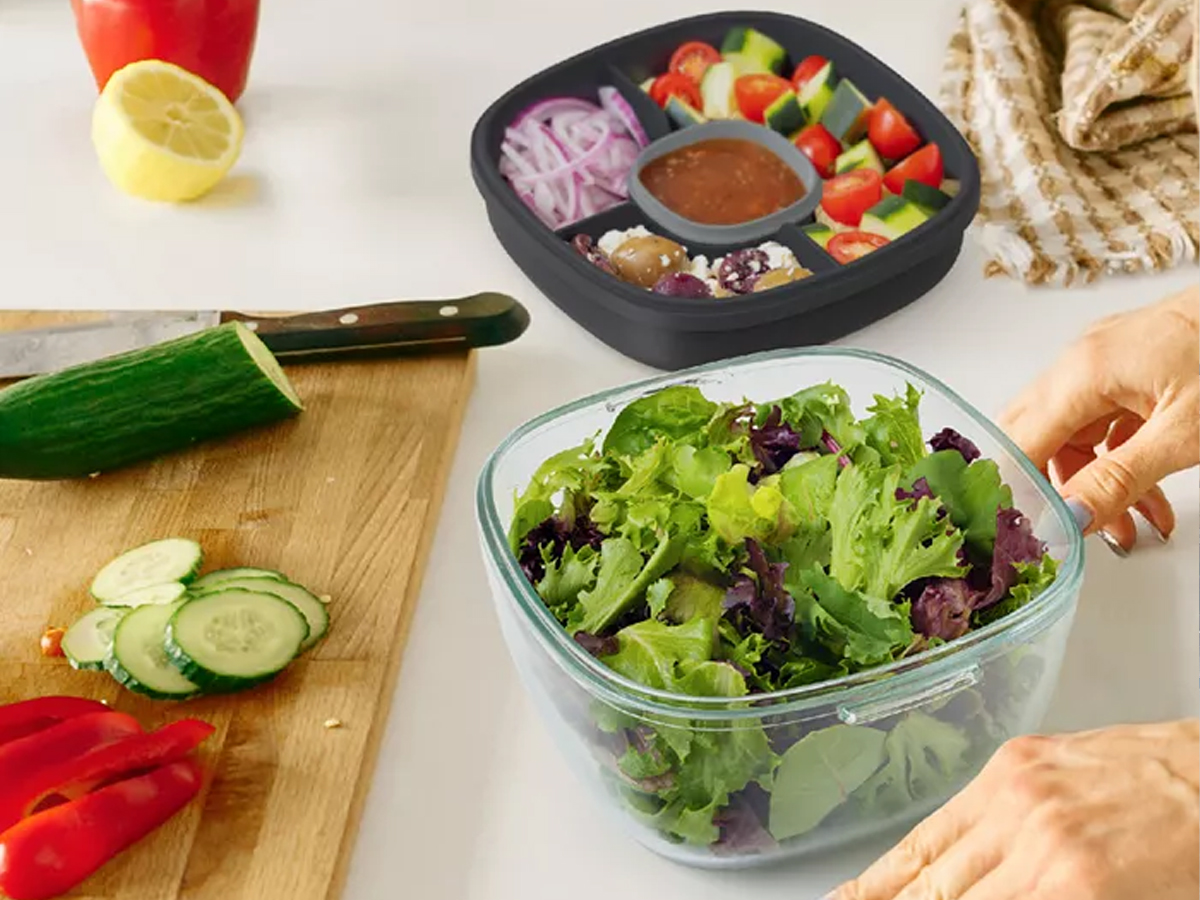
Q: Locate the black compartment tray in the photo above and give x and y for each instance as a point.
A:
(673, 333)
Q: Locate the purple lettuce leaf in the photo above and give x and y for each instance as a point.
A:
(835, 448)
(920, 489)
(1015, 543)
(741, 823)
(774, 442)
(761, 603)
(943, 608)
(596, 645)
(557, 533)
(949, 439)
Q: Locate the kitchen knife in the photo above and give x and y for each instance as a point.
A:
(383, 329)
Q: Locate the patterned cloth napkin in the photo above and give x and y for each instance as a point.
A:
(1083, 117)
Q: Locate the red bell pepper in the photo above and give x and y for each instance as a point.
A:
(18, 720)
(210, 38)
(21, 759)
(49, 853)
(72, 778)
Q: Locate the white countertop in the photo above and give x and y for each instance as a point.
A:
(354, 187)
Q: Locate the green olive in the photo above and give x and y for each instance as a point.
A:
(779, 277)
(644, 260)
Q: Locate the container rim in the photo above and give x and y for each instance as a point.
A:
(600, 681)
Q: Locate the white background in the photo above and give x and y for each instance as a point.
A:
(354, 187)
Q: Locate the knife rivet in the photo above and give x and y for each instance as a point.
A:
(349, 319)
(448, 311)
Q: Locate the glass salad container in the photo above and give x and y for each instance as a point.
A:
(858, 754)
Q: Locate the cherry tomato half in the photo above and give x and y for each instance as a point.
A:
(754, 93)
(806, 70)
(846, 197)
(820, 146)
(672, 84)
(693, 59)
(890, 132)
(847, 246)
(924, 166)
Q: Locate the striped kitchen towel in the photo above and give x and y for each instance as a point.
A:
(1083, 117)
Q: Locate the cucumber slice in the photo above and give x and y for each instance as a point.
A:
(138, 657)
(156, 594)
(313, 610)
(716, 90)
(159, 562)
(234, 639)
(204, 582)
(87, 642)
(816, 94)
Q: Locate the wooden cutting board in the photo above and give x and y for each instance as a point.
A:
(344, 500)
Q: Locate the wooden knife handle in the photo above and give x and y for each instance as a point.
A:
(390, 329)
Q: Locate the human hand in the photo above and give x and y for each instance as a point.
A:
(1102, 815)
(1117, 413)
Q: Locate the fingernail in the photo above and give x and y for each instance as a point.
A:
(1162, 536)
(1080, 513)
(1113, 544)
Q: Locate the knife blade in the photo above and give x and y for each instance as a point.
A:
(377, 330)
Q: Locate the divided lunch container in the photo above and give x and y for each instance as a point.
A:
(940, 714)
(673, 332)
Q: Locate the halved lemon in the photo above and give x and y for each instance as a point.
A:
(163, 133)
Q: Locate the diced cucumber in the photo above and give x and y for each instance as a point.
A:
(847, 114)
(234, 639)
(159, 562)
(138, 657)
(683, 113)
(648, 83)
(716, 88)
(928, 198)
(156, 594)
(817, 92)
(87, 642)
(214, 578)
(313, 610)
(819, 234)
(755, 46)
(745, 65)
(784, 114)
(951, 187)
(892, 218)
(861, 156)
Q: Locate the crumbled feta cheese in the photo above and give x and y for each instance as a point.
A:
(611, 240)
(664, 259)
(778, 256)
(699, 267)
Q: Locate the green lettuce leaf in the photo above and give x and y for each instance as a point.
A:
(863, 629)
(622, 580)
(695, 471)
(819, 772)
(972, 494)
(693, 598)
(674, 413)
(879, 543)
(650, 652)
(738, 510)
(926, 759)
(565, 578)
(820, 408)
(657, 596)
(894, 428)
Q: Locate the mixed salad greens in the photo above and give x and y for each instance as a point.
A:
(736, 549)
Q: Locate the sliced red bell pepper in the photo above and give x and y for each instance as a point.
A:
(17, 720)
(49, 853)
(75, 777)
(22, 759)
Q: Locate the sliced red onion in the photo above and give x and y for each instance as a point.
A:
(568, 159)
(618, 107)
